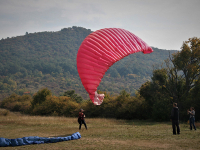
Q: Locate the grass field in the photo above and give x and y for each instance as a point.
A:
(101, 134)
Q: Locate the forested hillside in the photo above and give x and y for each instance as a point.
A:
(48, 59)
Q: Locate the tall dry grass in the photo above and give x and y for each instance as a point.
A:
(101, 134)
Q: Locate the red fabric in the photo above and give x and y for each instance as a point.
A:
(81, 115)
(100, 50)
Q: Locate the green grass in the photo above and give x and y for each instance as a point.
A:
(101, 133)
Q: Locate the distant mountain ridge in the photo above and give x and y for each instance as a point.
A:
(48, 59)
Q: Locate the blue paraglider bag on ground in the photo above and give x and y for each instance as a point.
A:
(36, 140)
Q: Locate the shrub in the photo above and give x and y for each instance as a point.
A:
(4, 112)
(40, 96)
(56, 106)
(17, 103)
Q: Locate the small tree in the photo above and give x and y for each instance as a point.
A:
(182, 70)
(40, 96)
(187, 62)
(73, 96)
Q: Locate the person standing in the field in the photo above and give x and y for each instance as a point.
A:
(81, 119)
(175, 119)
(192, 118)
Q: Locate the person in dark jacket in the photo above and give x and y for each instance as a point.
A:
(175, 119)
(81, 119)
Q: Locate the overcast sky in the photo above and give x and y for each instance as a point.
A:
(164, 24)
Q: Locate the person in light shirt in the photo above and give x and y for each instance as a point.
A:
(192, 118)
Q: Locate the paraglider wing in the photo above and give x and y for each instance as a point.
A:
(100, 50)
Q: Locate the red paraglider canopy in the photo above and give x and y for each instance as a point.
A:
(100, 50)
